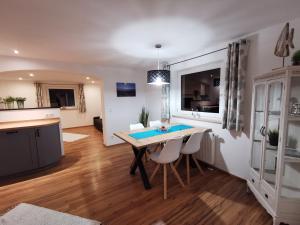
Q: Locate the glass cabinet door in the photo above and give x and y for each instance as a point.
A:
(271, 132)
(258, 122)
(290, 186)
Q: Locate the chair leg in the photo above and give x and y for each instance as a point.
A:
(176, 174)
(188, 169)
(146, 157)
(165, 181)
(197, 164)
(178, 161)
(154, 172)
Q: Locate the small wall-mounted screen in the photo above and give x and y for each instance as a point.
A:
(126, 90)
(201, 91)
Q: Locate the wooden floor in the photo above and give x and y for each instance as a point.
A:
(93, 181)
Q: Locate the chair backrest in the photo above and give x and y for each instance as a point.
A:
(136, 126)
(171, 150)
(193, 144)
(155, 123)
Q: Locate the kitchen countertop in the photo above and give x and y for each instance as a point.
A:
(27, 123)
(29, 108)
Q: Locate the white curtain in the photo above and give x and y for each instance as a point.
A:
(39, 95)
(165, 102)
(82, 105)
(233, 117)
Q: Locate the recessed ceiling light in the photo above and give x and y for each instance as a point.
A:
(87, 78)
(16, 51)
(31, 75)
(20, 78)
(93, 82)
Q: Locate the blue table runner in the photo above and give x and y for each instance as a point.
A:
(156, 132)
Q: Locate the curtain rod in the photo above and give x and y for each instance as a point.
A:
(199, 56)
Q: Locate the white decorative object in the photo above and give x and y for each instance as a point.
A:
(275, 170)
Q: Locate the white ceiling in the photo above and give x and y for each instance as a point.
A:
(123, 32)
(48, 76)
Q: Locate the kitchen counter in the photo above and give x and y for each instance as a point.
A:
(28, 123)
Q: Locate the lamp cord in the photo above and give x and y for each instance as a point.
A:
(157, 58)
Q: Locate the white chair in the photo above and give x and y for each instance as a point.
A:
(189, 148)
(136, 126)
(155, 123)
(167, 155)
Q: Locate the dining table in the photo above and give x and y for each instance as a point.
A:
(141, 139)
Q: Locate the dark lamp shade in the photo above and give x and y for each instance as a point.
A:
(158, 77)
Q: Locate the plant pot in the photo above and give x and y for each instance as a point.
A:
(9, 105)
(296, 62)
(273, 141)
(20, 104)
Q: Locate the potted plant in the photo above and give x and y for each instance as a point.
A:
(9, 102)
(273, 137)
(143, 119)
(20, 102)
(1, 103)
(296, 58)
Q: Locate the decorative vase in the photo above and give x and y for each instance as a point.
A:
(20, 104)
(273, 140)
(296, 63)
(296, 58)
(9, 105)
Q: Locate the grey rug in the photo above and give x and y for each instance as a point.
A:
(26, 214)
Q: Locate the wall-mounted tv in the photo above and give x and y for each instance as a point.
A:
(126, 89)
(200, 91)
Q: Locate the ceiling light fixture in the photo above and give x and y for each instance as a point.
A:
(158, 77)
(20, 78)
(16, 51)
(31, 75)
(87, 78)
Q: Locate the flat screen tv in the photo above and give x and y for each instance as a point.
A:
(126, 89)
(200, 91)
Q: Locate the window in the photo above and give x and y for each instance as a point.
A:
(200, 91)
(61, 97)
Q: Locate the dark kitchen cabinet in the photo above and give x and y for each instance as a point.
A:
(25, 149)
(48, 144)
(17, 151)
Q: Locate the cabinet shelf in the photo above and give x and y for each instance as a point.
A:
(292, 155)
(292, 118)
(273, 148)
(274, 113)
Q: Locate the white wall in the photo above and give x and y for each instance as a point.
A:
(124, 110)
(73, 118)
(19, 89)
(233, 153)
(69, 118)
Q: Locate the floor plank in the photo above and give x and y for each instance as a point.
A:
(93, 181)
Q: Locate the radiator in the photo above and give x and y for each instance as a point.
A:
(208, 148)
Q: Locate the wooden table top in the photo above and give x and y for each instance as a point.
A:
(27, 123)
(139, 143)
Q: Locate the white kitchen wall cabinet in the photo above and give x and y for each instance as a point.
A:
(275, 144)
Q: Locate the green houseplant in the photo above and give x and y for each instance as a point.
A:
(273, 137)
(20, 102)
(9, 102)
(144, 116)
(296, 58)
(1, 103)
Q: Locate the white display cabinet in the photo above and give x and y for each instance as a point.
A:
(275, 149)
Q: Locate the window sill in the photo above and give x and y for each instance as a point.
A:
(68, 108)
(206, 119)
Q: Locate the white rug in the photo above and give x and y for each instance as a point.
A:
(70, 137)
(26, 214)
